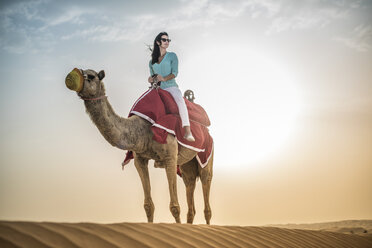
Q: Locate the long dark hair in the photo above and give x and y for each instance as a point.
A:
(156, 50)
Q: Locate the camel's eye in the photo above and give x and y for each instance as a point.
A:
(91, 77)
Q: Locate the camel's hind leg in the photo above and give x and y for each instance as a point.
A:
(143, 171)
(206, 175)
(189, 175)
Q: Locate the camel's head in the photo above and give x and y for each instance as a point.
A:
(87, 83)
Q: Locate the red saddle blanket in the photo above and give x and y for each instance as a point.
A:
(159, 108)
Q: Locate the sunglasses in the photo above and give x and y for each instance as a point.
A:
(164, 40)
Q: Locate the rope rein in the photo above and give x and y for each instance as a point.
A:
(93, 99)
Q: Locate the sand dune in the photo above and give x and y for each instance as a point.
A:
(345, 226)
(47, 234)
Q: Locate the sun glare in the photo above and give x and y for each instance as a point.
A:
(251, 99)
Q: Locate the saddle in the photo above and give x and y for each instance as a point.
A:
(159, 108)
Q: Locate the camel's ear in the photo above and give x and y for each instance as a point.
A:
(101, 75)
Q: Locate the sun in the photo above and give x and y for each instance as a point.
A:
(251, 98)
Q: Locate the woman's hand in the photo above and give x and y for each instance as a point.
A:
(151, 80)
(160, 78)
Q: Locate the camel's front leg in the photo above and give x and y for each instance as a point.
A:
(171, 170)
(143, 171)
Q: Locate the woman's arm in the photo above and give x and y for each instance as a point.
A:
(163, 79)
(150, 79)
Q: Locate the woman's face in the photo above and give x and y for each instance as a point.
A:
(164, 42)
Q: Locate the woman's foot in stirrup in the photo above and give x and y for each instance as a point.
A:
(189, 137)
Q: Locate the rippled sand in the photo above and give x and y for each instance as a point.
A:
(48, 234)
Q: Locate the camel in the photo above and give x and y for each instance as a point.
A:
(134, 134)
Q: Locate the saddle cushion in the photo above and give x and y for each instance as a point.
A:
(159, 108)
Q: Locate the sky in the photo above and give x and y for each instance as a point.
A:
(287, 85)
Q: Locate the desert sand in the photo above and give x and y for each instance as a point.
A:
(48, 234)
(346, 226)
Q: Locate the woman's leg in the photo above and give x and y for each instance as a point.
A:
(182, 109)
(178, 98)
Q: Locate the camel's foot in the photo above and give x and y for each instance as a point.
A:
(149, 209)
(190, 216)
(208, 216)
(175, 210)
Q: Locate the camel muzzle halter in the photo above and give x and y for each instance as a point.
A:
(75, 81)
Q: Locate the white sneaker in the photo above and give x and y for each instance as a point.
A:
(189, 137)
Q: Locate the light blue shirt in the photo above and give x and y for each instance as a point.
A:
(169, 65)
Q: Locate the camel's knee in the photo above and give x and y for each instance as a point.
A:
(175, 211)
(206, 175)
(206, 178)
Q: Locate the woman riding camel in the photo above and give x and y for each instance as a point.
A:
(164, 69)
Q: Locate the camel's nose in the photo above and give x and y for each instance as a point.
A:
(74, 80)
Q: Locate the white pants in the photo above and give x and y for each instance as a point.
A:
(182, 109)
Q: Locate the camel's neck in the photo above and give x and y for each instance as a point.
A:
(115, 129)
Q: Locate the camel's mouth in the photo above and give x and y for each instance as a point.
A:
(75, 80)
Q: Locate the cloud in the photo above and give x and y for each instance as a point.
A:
(359, 40)
(40, 25)
(331, 15)
(134, 28)
(27, 26)
(28, 10)
(16, 37)
(306, 15)
(73, 16)
(195, 13)
(92, 25)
